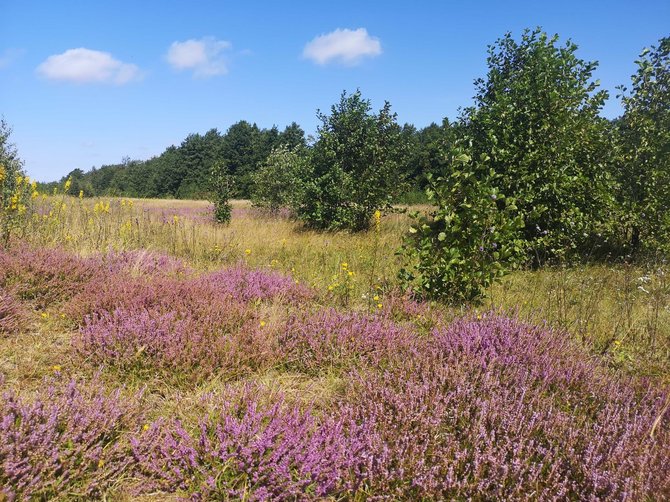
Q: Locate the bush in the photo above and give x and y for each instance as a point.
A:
(13, 315)
(495, 409)
(222, 190)
(469, 241)
(536, 117)
(354, 168)
(278, 181)
(644, 170)
(248, 451)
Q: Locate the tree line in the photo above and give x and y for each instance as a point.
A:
(184, 171)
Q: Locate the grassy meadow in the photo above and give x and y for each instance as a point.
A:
(147, 353)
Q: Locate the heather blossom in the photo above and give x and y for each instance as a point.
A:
(70, 438)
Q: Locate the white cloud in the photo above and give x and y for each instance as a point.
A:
(206, 57)
(345, 46)
(84, 66)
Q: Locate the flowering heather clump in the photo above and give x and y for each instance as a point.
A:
(331, 339)
(246, 451)
(499, 410)
(13, 316)
(68, 440)
(178, 342)
(122, 291)
(199, 324)
(220, 289)
(143, 262)
(44, 276)
(248, 285)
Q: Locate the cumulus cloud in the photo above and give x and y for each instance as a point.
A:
(83, 66)
(345, 46)
(206, 57)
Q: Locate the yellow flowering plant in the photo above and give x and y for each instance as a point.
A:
(16, 189)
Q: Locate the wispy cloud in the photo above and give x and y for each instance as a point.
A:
(83, 66)
(343, 46)
(206, 57)
(8, 56)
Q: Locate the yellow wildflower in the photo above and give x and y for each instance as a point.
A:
(378, 220)
(101, 463)
(81, 194)
(262, 324)
(68, 184)
(56, 367)
(247, 252)
(145, 427)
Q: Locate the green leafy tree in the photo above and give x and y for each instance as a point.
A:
(278, 181)
(536, 117)
(644, 170)
(471, 239)
(354, 166)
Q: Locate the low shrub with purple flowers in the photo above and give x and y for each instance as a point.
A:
(499, 410)
(421, 407)
(247, 451)
(69, 440)
(45, 276)
(13, 315)
(331, 339)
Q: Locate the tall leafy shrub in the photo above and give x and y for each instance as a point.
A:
(222, 189)
(472, 238)
(536, 117)
(278, 181)
(644, 170)
(354, 166)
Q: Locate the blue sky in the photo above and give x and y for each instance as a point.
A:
(85, 83)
